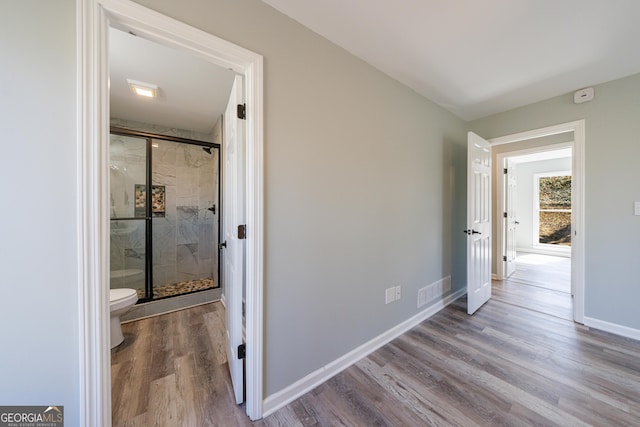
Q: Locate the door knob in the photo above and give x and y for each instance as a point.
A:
(466, 231)
(475, 232)
(517, 222)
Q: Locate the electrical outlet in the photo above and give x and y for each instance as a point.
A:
(389, 295)
(398, 292)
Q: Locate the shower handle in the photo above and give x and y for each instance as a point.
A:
(222, 245)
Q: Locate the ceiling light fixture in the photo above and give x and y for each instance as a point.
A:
(143, 89)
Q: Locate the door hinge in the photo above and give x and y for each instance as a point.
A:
(506, 171)
(242, 232)
(504, 258)
(242, 111)
(242, 351)
(505, 215)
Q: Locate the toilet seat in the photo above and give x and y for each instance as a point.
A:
(119, 298)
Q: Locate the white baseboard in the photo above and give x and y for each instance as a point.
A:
(494, 276)
(285, 396)
(560, 251)
(613, 328)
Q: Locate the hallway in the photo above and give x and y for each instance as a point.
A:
(540, 283)
(507, 364)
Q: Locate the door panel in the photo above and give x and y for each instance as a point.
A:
(185, 214)
(511, 221)
(478, 222)
(234, 251)
(128, 263)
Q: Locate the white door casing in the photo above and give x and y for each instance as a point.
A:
(577, 199)
(478, 222)
(233, 216)
(510, 219)
(93, 18)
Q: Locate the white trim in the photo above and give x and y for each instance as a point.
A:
(285, 396)
(537, 133)
(577, 198)
(614, 328)
(93, 308)
(501, 266)
(223, 300)
(122, 322)
(93, 20)
(494, 276)
(564, 252)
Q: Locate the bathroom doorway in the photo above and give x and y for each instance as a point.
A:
(96, 17)
(164, 242)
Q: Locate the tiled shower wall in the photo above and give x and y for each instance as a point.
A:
(185, 239)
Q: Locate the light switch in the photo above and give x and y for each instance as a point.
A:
(636, 208)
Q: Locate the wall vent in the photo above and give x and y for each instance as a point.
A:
(434, 291)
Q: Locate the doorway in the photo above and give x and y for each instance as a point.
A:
(564, 145)
(536, 228)
(163, 242)
(94, 19)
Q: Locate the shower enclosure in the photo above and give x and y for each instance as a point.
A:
(165, 210)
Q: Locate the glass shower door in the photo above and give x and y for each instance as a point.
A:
(185, 217)
(128, 213)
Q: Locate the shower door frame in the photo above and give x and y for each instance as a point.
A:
(148, 219)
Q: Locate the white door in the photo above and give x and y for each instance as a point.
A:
(478, 222)
(510, 217)
(233, 216)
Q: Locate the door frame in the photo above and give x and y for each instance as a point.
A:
(501, 197)
(577, 200)
(93, 18)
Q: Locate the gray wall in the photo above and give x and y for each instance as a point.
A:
(362, 180)
(357, 188)
(38, 271)
(525, 194)
(358, 192)
(365, 185)
(612, 174)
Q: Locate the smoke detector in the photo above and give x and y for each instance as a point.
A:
(583, 95)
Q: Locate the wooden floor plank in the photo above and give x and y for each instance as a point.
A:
(518, 361)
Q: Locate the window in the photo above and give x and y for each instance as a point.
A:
(553, 209)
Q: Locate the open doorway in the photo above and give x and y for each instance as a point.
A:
(95, 18)
(539, 245)
(536, 228)
(166, 115)
(170, 113)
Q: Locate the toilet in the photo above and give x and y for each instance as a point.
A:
(120, 301)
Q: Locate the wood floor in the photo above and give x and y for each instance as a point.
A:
(541, 283)
(505, 365)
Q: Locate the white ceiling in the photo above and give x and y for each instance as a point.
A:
(480, 57)
(193, 93)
